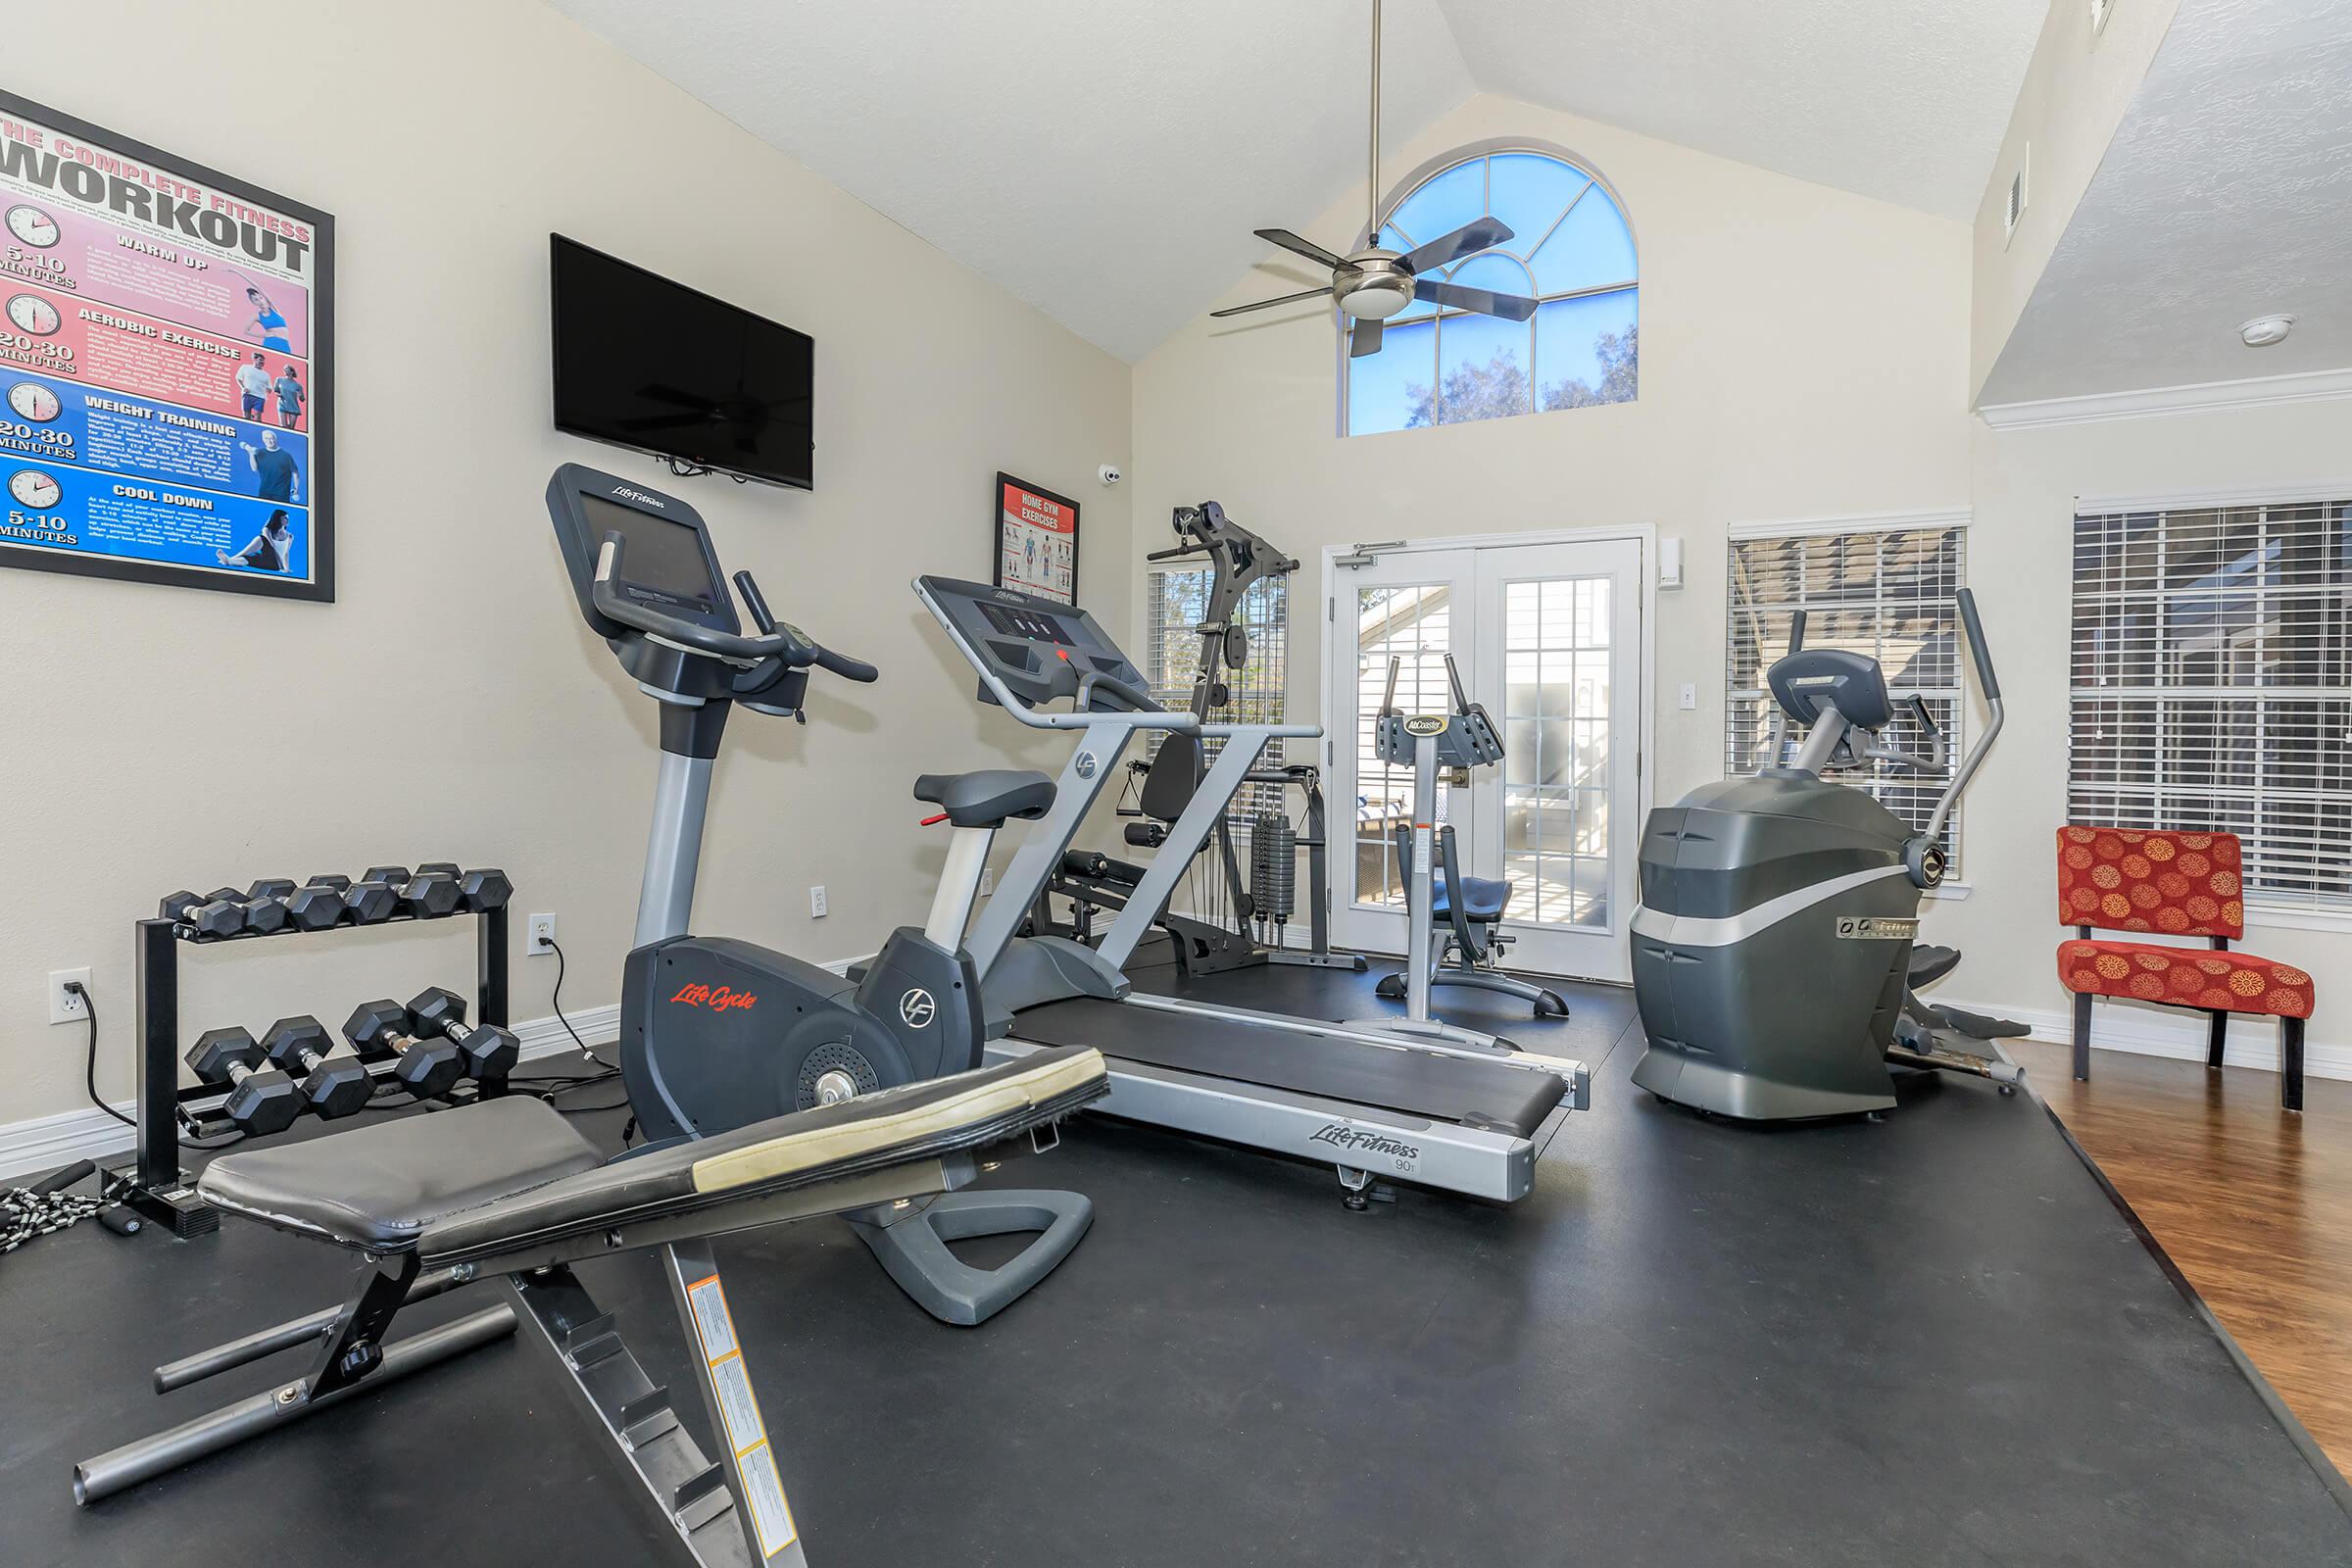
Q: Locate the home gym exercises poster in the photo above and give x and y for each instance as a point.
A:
(164, 358)
(1037, 540)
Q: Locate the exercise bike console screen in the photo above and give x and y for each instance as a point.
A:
(1040, 650)
(661, 559)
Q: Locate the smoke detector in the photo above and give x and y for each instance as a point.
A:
(2265, 330)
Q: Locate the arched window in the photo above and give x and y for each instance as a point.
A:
(1570, 250)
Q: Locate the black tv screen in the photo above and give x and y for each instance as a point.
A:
(651, 365)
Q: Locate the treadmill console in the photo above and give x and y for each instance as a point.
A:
(1040, 649)
(667, 560)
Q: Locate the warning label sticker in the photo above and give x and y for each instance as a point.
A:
(739, 1409)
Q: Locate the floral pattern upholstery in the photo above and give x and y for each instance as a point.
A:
(2179, 884)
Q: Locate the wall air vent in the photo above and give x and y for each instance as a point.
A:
(2100, 10)
(2013, 206)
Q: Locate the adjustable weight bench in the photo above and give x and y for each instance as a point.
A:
(507, 1189)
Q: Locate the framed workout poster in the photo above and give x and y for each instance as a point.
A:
(1037, 540)
(167, 361)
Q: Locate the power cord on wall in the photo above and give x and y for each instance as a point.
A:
(560, 1083)
(89, 1076)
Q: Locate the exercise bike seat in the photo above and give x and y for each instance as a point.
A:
(378, 1189)
(1483, 898)
(988, 798)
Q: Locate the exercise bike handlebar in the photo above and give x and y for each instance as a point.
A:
(778, 641)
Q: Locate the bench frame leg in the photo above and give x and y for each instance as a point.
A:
(351, 1356)
(2081, 1036)
(2216, 1037)
(2290, 1064)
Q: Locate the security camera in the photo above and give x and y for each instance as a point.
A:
(1109, 473)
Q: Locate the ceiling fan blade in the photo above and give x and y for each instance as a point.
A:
(1510, 307)
(1286, 299)
(1364, 337)
(1302, 247)
(1467, 240)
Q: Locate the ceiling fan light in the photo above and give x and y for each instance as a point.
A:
(1376, 299)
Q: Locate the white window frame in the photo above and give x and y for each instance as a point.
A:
(2314, 911)
(1409, 186)
(1958, 695)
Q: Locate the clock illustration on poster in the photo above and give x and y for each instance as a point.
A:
(33, 488)
(32, 402)
(29, 313)
(33, 226)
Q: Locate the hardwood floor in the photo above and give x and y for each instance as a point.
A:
(2254, 1206)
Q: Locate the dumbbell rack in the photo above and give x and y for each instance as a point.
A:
(161, 1189)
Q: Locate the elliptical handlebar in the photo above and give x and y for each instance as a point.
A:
(1982, 656)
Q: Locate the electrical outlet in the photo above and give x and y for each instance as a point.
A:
(65, 1007)
(988, 880)
(543, 935)
(817, 901)
(1690, 695)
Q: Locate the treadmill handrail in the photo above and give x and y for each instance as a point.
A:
(1280, 732)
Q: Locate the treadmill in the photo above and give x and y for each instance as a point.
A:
(1467, 1116)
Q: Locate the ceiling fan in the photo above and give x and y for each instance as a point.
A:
(1375, 283)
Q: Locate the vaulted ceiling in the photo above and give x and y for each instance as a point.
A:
(1107, 162)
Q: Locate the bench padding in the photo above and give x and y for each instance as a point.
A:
(376, 1188)
(808, 1148)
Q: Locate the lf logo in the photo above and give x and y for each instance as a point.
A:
(918, 1007)
(1086, 764)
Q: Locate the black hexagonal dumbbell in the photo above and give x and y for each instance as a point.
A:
(316, 905)
(430, 894)
(430, 1066)
(265, 909)
(490, 1052)
(483, 889)
(333, 1083)
(260, 1100)
(218, 913)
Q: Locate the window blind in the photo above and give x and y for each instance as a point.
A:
(2211, 685)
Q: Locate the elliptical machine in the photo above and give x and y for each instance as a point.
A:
(719, 1033)
(1774, 963)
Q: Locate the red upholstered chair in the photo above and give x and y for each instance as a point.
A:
(2183, 885)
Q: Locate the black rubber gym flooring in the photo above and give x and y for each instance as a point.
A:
(1929, 1341)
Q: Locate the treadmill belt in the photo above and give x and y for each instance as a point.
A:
(1423, 1083)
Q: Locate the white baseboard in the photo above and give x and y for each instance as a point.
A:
(44, 1142)
(2176, 1033)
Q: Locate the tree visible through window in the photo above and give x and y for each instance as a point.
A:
(1570, 251)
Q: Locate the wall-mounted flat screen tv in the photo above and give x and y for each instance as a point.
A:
(660, 368)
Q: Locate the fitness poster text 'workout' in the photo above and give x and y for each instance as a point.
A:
(164, 359)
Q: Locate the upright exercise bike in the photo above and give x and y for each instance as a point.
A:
(1436, 891)
(719, 1033)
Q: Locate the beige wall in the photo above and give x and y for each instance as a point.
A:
(2075, 93)
(451, 705)
(2020, 552)
(1803, 355)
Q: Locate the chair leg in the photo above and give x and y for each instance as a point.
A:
(2216, 1037)
(2081, 1036)
(2290, 1065)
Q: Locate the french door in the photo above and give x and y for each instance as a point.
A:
(1548, 638)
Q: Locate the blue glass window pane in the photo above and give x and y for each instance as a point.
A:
(1587, 350)
(1441, 206)
(1483, 373)
(1493, 269)
(1590, 248)
(1377, 383)
(1529, 192)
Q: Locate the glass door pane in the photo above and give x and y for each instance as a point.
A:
(1412, 624)
(1558, 668)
